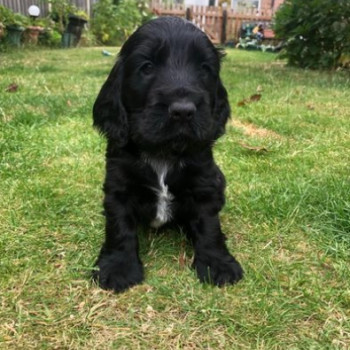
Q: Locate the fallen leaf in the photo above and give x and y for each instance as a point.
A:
(258, 149)
(255, 98)
(69, 104)
(12, 87)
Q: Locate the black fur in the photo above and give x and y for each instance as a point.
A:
(163, 106)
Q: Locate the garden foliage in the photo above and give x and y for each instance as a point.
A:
(9, 18)
(114, 21)
(316, 32)
(60, 9)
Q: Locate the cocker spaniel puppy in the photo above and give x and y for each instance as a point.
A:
(161, 110)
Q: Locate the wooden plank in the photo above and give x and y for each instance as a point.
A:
(210, 18)
(21, 6)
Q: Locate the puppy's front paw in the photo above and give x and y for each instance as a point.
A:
(118, 271)
(218, 270)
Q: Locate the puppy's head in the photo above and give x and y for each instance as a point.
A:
(164, 94)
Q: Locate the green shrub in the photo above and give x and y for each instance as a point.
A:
(60, 10)
(316, 32)
(145, 11)
(87, 39)
(6, 15)
(112, 24)
(50, 37)
(11, 19)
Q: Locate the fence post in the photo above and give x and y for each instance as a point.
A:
(188, 14)
(223, 28)
(88, 8)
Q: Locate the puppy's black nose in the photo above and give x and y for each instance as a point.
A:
(182, 110)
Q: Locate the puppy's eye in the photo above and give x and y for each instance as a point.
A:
(147, 68)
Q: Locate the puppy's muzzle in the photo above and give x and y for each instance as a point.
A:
(182, 110)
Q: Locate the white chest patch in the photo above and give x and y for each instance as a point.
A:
(165, 197)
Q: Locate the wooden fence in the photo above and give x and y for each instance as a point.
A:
(220, 24)
(21, 6)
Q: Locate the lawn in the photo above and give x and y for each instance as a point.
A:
(286, 159)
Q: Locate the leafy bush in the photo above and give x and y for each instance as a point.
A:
(316, 32)
(87, 39)
(50, 37)
(6, 15)
(112, 23)
(11, 19)
(60, 10)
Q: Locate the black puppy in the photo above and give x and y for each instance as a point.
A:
(161, 109)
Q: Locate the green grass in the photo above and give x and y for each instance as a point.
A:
(286, 217)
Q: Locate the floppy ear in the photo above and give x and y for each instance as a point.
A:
(109, 115)
(222, 109)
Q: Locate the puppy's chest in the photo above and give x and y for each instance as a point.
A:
(164, 196)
